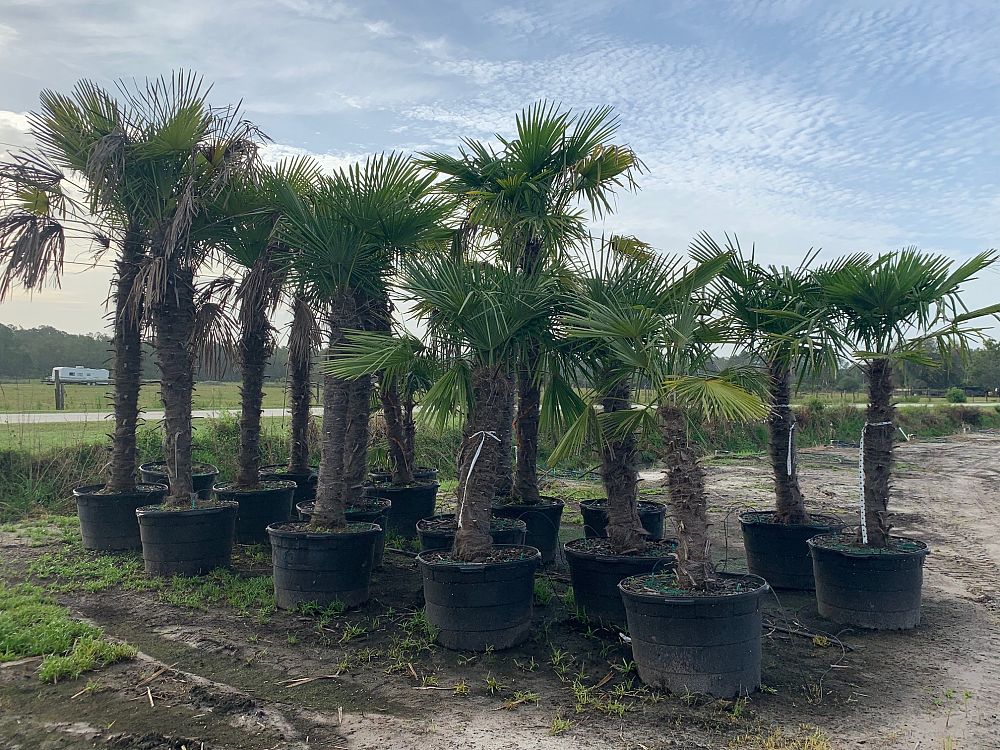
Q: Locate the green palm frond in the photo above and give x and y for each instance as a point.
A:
(715, 397)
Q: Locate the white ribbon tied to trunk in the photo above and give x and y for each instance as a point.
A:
(861, 477)
(482, 434)
(789, 464)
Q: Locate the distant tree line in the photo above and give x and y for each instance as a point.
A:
(31, 353)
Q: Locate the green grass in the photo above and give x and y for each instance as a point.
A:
(32, 396)
(33, 625)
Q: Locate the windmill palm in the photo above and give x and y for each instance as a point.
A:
(251, 210)
(667, 341)
(891, 307)
(484, 311)
(783, 321)
(347, 234)
(303, 340)
(530, 194)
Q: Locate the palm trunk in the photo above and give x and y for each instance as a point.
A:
(254, 353)
(299, 387)
(877, 457)
(505, 430)
(686, 487)
(355, 444)
(526, 426)
(789, 506)
(127, 335)
(620, 474)
(481, 461)
(174, 319)
(400, 459)
(409, 431)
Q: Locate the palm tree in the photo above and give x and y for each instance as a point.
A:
(783, 321)
(251, 210)
(484, 311)
(347, 233)
(667, 342)
(527, 195)
(891, 307)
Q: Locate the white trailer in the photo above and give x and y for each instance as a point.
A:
(81, 374)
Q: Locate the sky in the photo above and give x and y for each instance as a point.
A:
(793, 124)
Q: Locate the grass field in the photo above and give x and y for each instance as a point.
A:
(32, 396)
(41, 437)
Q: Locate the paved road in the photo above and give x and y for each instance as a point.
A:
(58, 417)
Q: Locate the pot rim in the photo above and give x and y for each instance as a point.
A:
(218, 507)
(763, 588)
(471, 567)
(373, 528)
(923, 551)
(547, 502)
(417, 484)
(745, 520)
(611, 557)
(88, 490)
(286, 484)
(148, 467)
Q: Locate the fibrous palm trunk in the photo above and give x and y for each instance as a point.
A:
(356, 433)
(789, 506)
(127, 343)
(174, 321)
(526, 426)
(481, 463)
(299, 387)
(686, 488)
(255, 349)
(620, 474)
(505, 431)
(396, 426)
(877, 455)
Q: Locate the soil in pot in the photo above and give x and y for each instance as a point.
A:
(203, 476)
(305, 484)
(322, 566)
(542, 521)
(269, 503)
(438, 532)
(595, 572)
(475, 606)
(595, 518)
(410, 503)
(778, 553)
(420, 474)
(187, 541)
(108, 521)
(370, 510)
(696, 641)
(870, 587)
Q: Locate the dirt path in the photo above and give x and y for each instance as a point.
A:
(216, 678)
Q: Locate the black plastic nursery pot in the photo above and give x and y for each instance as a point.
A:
(778, 553)
(410, 503)
(305, 483)
(270, 503)
(475, 606)
(595, 573)
(188, 541)
(438, 532)
(695, 642)
(420, 474)
(203, 476)
(108, 521)
(322, 567)
(542, 521)
(595, 518)
(866, 586)
(373, 510)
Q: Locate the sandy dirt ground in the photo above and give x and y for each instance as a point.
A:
(215, 679)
